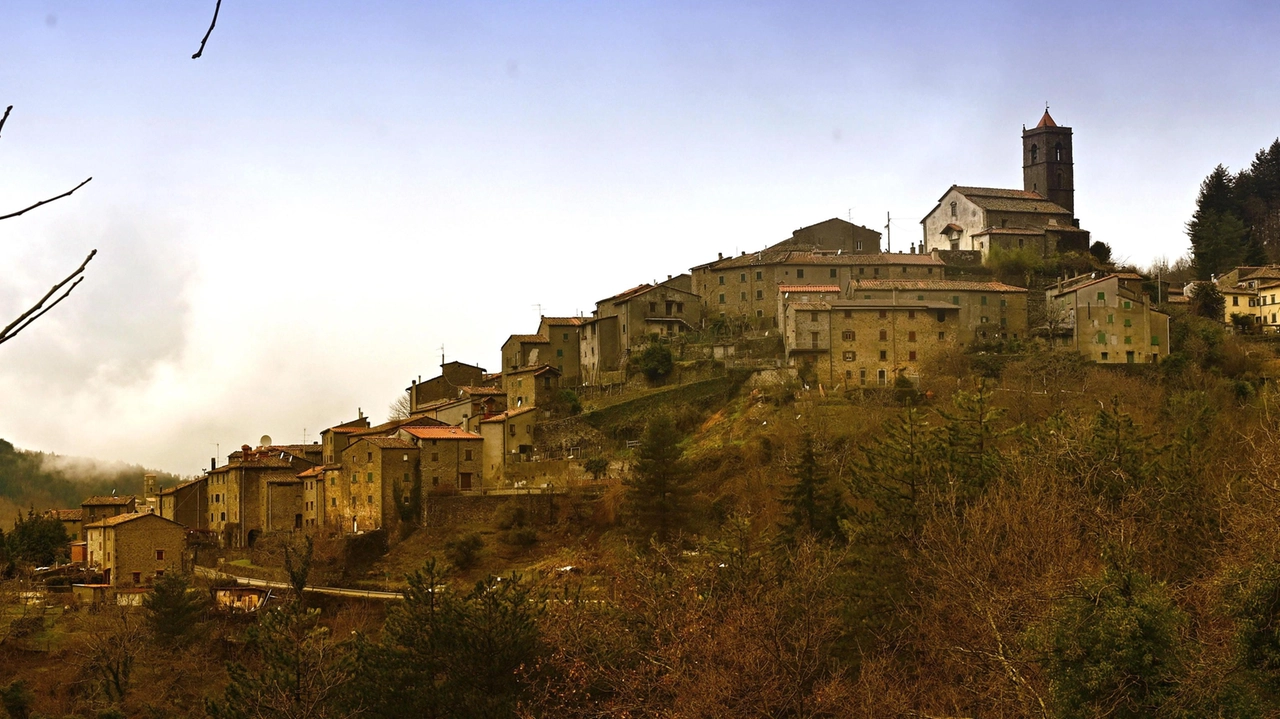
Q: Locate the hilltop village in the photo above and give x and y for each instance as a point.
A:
(826, 308)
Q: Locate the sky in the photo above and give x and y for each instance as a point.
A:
(290, 228)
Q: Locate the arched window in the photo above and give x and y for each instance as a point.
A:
(1057, 152)
(953, 209)
(1035, 153)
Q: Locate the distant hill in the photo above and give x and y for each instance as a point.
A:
(43, 481)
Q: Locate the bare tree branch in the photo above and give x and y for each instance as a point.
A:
(45, 202)
(7, 110)
(38, 309)
(208, 32)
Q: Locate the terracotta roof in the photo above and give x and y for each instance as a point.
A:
(797, 257)
(935, 285)
(809, 306)
(529, 339)
(888, 303)
(541, 369)
(122, 518)
(1020, 230)
(180, 485)
(1079, 283)
(571, 321)
(1002, 200)
(67, 515)
(952, 227)
(393, 442)
(1046, 121)
(440, 433)
(488, 391)
(109, 501)
(346, 430)
(503, 416)
(313, 472)
(808, 288)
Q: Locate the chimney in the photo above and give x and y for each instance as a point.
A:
(361, 413)
(719, 255)
(213, 463)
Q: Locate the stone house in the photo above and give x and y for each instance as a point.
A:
(453, 375)
(600, 353)
(363, 490)
(508, 437)
(521, 351)
(564, 340)
(834, 235)
(131, 550)
(988, 310)
(71, 520)
(532, 387)
(646, 311)
(472, 404)
(448, 457)
(186, 503)
(95, 509)
(314, 499)
(745, 288)
(1040, 217)
(255, 491)
(1110, 318)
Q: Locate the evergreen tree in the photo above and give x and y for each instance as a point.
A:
(898, 473)
(1123, 455)
(1112, 649)
(1207, 301)
(36, 540)
(444, 655)
(970, 455)
(657, 493)
(811, 504)
(1219, 239)
(173, 610)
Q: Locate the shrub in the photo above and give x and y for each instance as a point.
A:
(519, 537)
(597, 466)
(656, 362)
(463, 552)
(509, 514)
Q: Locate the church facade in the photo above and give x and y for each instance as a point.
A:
(1040, 217)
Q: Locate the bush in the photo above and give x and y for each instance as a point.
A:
(656, 362)
(567, 401)
(509, 514)
(463, 552)
(597, 466)
(519, 537)
(16, 699)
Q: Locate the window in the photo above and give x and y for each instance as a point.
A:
(800, 273)
(222, 516)
(862, 376)
(759, 294)
(369, 499)
(955, 299)
(1128, 340)
(850, 356)
(881, 376)
(1235, 301)
(911, 355)
(847, 335)
(354, 478)
(1155, 341)
(333, 481)
(1057, 157)
(1035, 153)
(984, 319)
(742, 296)
(884, 356)
(942, 336)
(1111, 319)
(919, 298)
(884, 335)
(904, 270)
(159, 555)
(1104, 356)
(911, 314)
(560, 353)
(1128, 305)
(759, 275)
(435, 481)
(721, 298)
(467, 455)
(911, 337)
(722, 279)
(1102, 296)
(1102, 338)
(875, 271)
(848, 374)
(137, 577)
(565, 337)
(982, 300)
(653, 307)
(759, 313)
(848, 314)
(884, 314)
(833, 272)
(862, 270)
(513, 430)
(813, 339)
(369, 477)
(1004, 302)
(371, 456)
(942, 315)
(953, 209)
(1128, 322)
(159, 572)
(679, 307)
(813, 316)
(1004, 321)
(742, 277)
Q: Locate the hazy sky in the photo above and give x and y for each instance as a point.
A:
(291, 226)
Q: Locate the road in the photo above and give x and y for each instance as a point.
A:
(332, 591)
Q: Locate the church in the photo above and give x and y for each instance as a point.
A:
(1040, 217)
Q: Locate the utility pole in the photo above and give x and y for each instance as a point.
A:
(888, 234)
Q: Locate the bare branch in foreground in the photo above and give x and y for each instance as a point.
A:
(208, 32)
(38, 309)
(45, 202)
(4, 119)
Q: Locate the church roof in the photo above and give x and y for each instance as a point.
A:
(1047, 121)
(1002, 200)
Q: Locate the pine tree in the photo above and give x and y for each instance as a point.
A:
(1122, 454)
(899, 472)
(970, 455)
(811, 504)
(657, 494)
(1219, 239)
(173, 611)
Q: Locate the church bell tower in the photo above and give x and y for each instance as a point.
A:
(1047, 162)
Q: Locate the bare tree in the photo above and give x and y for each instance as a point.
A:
(207, 33)
(400, 408)
(62, 288)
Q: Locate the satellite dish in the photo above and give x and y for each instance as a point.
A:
(265, 441)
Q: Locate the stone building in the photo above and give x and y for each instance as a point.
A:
(95, 509)
(745, 288)
(508, 437)
(1110, 318)
(71, 520)
(521, 351)
(647, 311)
(373, 473)
(186, 503)
(600, 352)
(848, 343)
(988, 310)
(834, 235)
(564, 341)
(448, 457)
(255, 491)
(453, 375)
(532, 387)
(1040, 217)
(132, 550)
(472, 405)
